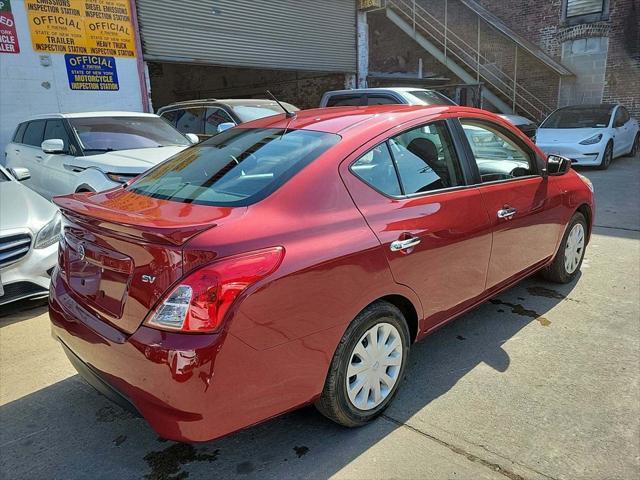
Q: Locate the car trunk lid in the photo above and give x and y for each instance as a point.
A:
(121, 251)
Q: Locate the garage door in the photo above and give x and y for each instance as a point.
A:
(274, 34)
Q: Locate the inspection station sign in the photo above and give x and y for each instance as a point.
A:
(91, 72)
(87, 27)
(8, 33)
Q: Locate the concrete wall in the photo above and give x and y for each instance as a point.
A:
(172, 82)
(28, 87)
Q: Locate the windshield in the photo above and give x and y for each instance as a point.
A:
(249, 112)
(236, 167)
(429, 97)
(106, 134)
(592, 117)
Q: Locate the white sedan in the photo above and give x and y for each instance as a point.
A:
(591, 135)
(93, 151)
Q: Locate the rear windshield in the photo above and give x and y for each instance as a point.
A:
(592, 117)
(234, 168)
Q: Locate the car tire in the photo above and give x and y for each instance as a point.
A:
(635, 148)
(339, 402)
(607, 157)
(570, 254)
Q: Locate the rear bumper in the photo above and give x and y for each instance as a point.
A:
(189, 388)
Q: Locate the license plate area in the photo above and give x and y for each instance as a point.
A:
(100, 275)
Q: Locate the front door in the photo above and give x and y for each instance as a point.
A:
(523, 207)
(433, 228)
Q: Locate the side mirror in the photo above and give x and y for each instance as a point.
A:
(53, 146)
(557, 165)
(225, 126)
(193, 138)
(20, 173)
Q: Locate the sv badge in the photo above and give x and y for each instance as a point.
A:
(148, 278)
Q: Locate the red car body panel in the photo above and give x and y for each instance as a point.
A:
(274, 348)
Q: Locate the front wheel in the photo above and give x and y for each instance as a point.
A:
(367, 366)
(607, 157)
(568, 260)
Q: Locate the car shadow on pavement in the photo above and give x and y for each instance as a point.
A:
(22, 310)
(67, 430)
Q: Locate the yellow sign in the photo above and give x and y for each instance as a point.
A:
(92, 27)
(366, 5)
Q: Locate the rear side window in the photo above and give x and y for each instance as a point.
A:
(345, 101)
(214, 116)
(170, 116)
(234, 168)
(376, 168)
(34, 133)
(17, 138)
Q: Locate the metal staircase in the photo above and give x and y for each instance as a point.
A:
(503, 89)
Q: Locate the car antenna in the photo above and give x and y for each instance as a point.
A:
(287, 113)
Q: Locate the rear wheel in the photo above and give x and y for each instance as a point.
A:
(568, 260)
(367, 366)
(607, 157)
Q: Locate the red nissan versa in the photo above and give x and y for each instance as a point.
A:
(295, 260)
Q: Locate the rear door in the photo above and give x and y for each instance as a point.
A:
(524, 209)
(434, 229)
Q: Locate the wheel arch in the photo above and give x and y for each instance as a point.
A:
(408, 309)
(585, 210)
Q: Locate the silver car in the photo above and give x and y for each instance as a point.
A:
(29, 234)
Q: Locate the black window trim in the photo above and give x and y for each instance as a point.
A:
(43, 120)
(457, 147)
(536, 162)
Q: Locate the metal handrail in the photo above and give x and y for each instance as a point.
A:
(470, 56)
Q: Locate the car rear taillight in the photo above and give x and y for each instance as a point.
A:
(201, 300)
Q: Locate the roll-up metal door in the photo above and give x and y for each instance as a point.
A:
(269, 34)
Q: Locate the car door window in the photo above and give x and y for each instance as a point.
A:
(380, 100)
(498, 155)
(190, 120)
(215, 116)
(345, 101)
(426, 159)
(376, 169)
(55, 129)
(33, 133)
(618, 120)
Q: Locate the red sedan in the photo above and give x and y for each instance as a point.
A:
(295, 260)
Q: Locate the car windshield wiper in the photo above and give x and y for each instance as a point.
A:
(99, 149)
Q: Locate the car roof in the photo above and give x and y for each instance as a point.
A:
(226, 101)
(91, 115)
(377, 90)
(371, 117)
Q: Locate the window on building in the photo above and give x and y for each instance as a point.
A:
(585, 11)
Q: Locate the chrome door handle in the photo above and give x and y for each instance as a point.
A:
(404, 244)
(506, 212)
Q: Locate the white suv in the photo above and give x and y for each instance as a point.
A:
(94, 151)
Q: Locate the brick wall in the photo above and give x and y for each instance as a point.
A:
(540, 21)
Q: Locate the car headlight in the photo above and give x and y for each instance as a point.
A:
(50, 233)
(592, 140)
(587, 182)
(122, 177)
